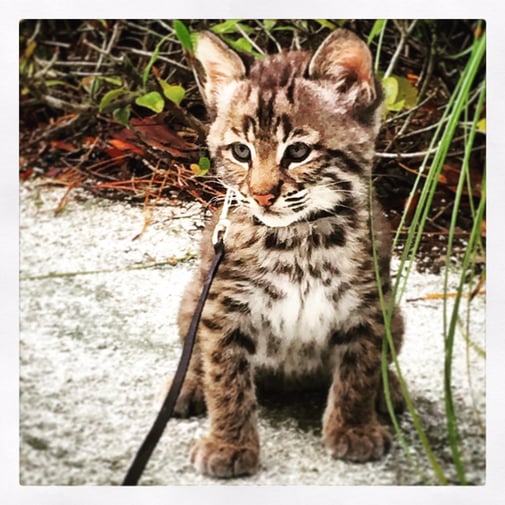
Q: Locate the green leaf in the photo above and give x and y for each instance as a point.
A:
(174, 93)
(407, 92)
(391, 88)
(194, 39)
(109, 97)
(183, 35)
(152, 100)
(400, 94)
(122, 115)
(231, 26)
(269, 24)
(377, 27)
(397, 106)
(56, 82)
(302, 24)
(243, 45)
(284, 29)
(326, 24)
(91, 84)
(204, 163)
(113, 79)
(152, 60)
(202, 168)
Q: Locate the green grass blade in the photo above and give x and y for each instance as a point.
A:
(388, 346)
(152, 60)
(452, 113)
(442, 140)
(449, 332)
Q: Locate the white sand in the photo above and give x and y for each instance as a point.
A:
(97, 345)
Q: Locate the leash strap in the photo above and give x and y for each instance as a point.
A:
(146, 449)
(167, 409)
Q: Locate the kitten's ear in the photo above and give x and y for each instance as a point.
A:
(345, 59)
(220, 64)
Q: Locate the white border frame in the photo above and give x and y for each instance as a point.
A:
(11, 492)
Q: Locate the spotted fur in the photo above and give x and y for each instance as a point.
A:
(295, 302)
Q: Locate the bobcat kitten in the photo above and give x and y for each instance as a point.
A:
(295, 301)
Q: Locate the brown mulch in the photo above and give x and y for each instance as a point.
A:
(66, 67)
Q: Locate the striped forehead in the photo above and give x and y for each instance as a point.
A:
(269, 92)
(279, 70)
(267, 124)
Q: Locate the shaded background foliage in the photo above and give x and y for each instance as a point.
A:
(113, 106)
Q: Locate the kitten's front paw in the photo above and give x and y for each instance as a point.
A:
(358, 443)
(218, 459)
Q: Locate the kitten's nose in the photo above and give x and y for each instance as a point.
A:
(264, 200)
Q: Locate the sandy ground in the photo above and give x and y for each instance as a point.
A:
(98, 340)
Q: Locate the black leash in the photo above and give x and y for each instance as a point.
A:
(148, 445)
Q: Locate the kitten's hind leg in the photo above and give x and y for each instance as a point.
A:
(191, 401)
(395, 394)
(191, 398)
(395, 390)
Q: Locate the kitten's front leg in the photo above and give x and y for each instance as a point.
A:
(351, 430)
(232, 447)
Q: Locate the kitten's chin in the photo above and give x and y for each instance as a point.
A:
(276, 220)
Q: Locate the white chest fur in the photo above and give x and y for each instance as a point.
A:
(293, 331)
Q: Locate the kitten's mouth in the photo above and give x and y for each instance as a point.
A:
(284, 211)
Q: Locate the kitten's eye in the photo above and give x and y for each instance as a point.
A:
(297, 152)
(241, 152)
